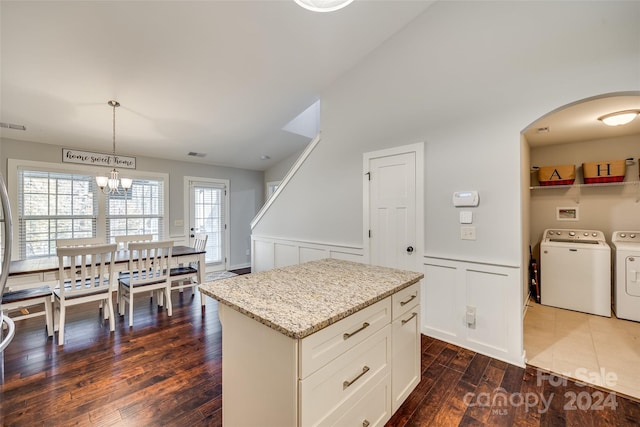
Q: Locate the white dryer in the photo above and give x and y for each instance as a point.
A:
(575, 271)
(626, 274)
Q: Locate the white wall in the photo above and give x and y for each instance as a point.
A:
(467, 78)
(246, 190)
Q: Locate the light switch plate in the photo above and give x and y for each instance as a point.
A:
(466, 217)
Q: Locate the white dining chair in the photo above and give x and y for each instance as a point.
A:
(123, 241)
(186, 276)
(83, 241)
(148, 270)
(83, 276)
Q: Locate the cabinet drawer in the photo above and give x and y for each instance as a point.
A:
(373, 409)
(352, 373)
(405, 299)
(325, 345)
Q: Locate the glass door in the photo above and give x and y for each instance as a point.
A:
(208, 204)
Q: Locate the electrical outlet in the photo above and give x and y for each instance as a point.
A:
(248, 252)
(468, 233)
(471, 317)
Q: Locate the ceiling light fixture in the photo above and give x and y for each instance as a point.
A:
(619, 118)
(323, 5)
(109, 184)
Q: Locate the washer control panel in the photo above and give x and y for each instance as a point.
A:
(626, 236)
(576, 235)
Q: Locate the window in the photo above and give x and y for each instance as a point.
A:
(138, 211)
(51, 206)
(54, 203)
(272, 187)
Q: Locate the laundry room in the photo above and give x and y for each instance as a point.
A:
(575, 227)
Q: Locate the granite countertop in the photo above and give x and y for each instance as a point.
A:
(302, 299)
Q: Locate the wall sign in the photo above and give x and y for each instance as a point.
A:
(97, 159)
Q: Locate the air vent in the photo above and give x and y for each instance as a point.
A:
(194, 154)
(12, 126)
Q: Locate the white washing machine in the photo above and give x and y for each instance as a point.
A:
(575, 271)
(626, 274)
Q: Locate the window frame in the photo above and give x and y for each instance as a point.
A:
(12, 186)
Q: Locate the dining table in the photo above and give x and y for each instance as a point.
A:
(37, 272)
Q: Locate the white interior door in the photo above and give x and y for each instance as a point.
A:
(208, 210)
(393, 240)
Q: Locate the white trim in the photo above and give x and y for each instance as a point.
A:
(418, 149)
(12, 187)
(227, 219)
(296, 166)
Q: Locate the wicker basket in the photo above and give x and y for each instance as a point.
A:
(605, 171)
(557, 175)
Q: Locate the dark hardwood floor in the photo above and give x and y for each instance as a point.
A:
(168, 370)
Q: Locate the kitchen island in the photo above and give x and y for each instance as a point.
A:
(327, 342)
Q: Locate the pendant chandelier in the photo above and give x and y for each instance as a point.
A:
(323, 5)
(110, 184)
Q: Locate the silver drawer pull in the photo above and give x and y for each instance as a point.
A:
(409, 319)
(364, 326)
(346, 384)
(365, 423)
(403, 303)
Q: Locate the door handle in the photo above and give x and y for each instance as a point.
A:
(409, 249)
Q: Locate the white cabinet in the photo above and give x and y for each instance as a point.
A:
(357, 371)
(405, 332)
(329, 393)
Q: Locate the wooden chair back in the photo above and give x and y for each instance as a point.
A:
(149, 262)
(123, 241)
(85, 270)
(86, 241)
(200, 241)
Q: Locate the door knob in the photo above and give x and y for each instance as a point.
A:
(409, 249)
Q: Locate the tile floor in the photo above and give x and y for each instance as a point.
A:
(599, 350)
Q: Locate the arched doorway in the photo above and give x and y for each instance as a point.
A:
(595, 349)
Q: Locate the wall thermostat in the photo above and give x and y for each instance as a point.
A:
(465, 198)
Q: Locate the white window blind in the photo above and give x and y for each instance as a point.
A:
(52, 206)
(138, 211)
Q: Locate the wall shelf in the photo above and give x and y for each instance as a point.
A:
(577, 188)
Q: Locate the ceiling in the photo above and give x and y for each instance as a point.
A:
(579, 121)
(221, 78)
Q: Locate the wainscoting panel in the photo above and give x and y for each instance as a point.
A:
(268, 253)
(285, 255)
(263, 255)
(488, 289)
(439, 286)
(454, 288)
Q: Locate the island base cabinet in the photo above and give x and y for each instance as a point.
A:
(357, 371)
(259, 373)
